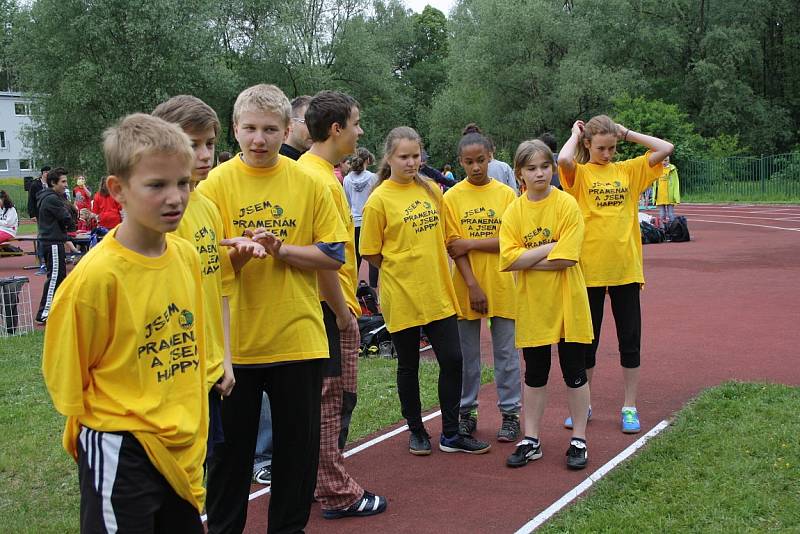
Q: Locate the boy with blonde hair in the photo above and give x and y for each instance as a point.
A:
(124, 351)
(201, 225)
(278, 341)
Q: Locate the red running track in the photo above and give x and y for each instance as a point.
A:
(721, 307)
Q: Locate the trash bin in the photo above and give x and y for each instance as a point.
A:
(16, 314)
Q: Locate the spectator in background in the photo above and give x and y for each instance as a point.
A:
(448, 172)
(33, 208)
(298, 140)
(82, 194)
(358, 184)
(548, 139)
(9, 220)
(667, 192)
(55, 220)
(108, 210)
(224, 156)
(434, 174)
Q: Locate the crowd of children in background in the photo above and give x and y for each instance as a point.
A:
(220, 290)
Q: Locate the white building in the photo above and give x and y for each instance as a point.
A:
(15, 113)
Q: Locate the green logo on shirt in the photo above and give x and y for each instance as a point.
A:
(277, 211)
(186, 319)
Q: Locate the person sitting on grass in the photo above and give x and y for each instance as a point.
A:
(124, 352)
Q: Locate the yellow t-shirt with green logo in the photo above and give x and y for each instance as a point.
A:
(201, 226)
(348, 276)
(124, 351)
(608, 196)
(402, 222)
(662, 191)
(275, 311)
(474, 212)
(551, 305)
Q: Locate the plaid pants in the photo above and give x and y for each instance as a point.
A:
(335, 487)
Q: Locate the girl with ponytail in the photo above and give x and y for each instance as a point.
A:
(607, 192)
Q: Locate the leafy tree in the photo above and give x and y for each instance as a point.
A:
(92, 62)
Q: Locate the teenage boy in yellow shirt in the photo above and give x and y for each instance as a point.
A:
(333, 120)
(201, 225)
(124, 351)
(278, 341)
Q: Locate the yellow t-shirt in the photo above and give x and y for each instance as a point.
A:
(201, 226)
(662, 191)
(608, 196)
(551, 305)
(474, 212)
(124, 350)
(348, 276)
(275, 311)
(402, 223)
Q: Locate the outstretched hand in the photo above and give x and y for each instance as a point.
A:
(270, 242)
(245, 246)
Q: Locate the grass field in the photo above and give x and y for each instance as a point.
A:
(729, 463)
(39, 480)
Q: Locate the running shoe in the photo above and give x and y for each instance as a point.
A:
(509, 429)
(577, 455)
(263, 475)
(368, 504)
(630, 421)
(419, 443)
(568, 420)
(468, 422)
(461, 443)
(527, 450)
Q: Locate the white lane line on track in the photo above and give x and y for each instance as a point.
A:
(747, 224)
(762, 218)
(354, 450)
(573, 494)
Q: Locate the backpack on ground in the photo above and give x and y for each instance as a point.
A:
(375, 338)
(367, 298)
(651, 233)
(678, 230)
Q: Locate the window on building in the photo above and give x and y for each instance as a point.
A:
(3, 164)
(3, 139)
(22, 108)
(25, 165)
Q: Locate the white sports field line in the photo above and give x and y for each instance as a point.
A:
(748, 224)
(768, 213)
(573, 494)
(351, 452)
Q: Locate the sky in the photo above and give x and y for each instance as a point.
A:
(442, 5)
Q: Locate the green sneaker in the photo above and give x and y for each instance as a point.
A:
(630, 421)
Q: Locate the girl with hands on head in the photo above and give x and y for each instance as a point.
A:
(607, 192)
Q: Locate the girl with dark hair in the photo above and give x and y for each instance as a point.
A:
(473, 208)
(9, 219)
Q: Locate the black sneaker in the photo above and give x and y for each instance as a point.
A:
(263, 475)
(577, 455)
(467, 423)
(419, 443)
(509, 429)
(526, 451)
(368, 504)
(462, 443)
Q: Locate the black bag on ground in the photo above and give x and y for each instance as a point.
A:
(375, 338)
(651, 233)
(678, 230)
(367, 298)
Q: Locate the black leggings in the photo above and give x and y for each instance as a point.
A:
(443, 335)
(570, 356)
(627, 316)
(373, 271)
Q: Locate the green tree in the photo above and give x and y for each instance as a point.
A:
(89, 63)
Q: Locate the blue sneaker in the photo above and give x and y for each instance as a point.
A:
(630, 421)
(42, 271)
(568, 420)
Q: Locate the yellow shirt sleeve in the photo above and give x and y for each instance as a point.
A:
(570, 239)
(640, 173)
(511, 244)
(451, 224)
(373, 223)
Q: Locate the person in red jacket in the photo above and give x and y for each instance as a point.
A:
(108, 210)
